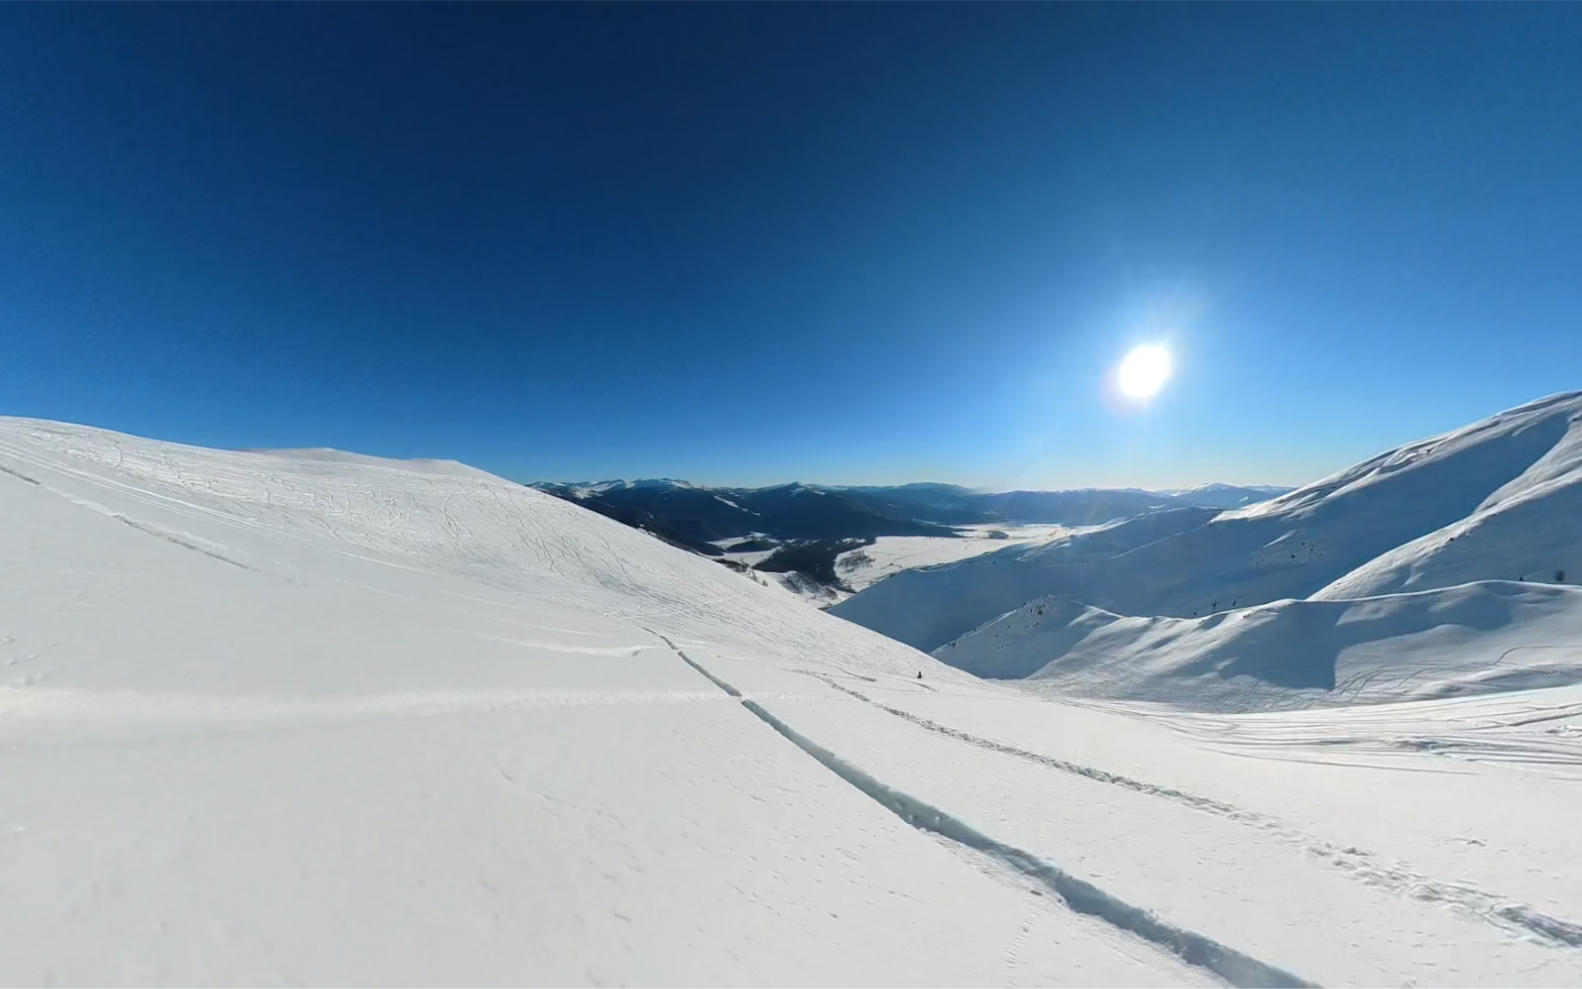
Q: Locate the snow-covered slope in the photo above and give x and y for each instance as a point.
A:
(275, 719)
(1496, 500)
(331, 456)
(1473, 638)
(1528, 529)
(270, 719)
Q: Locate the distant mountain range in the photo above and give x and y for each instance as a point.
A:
(697, 517)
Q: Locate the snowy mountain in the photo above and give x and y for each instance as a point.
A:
(280, 718)
(695, 516)
(700, 516)
(1293, 591)
(1226, 495)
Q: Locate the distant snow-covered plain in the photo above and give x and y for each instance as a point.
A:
(890, 555)
(859, 569)
(310, 718)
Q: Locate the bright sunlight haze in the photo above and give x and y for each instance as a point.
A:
(1144, 371)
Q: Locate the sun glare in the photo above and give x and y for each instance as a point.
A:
(1144, 371)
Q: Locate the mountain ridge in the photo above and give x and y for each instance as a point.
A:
(1443, 529)
(698, 515)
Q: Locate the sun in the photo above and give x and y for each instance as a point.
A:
(1144, 371)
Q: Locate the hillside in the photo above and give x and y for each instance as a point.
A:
(281, 719)
(1493, 501)
(1474, 638)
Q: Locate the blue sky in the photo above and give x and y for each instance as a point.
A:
(748, 244)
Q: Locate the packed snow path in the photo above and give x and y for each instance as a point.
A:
(314, 718)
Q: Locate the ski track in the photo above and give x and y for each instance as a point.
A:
(1081, 896)
(179, 540)
(1470, 900)
(19, 476)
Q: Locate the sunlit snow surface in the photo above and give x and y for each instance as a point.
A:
(272, 718)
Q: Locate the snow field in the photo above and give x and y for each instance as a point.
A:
(312, 722)
(273, 719)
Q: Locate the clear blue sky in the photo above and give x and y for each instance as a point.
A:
(747, 244)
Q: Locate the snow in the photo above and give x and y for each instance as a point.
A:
(890, 555)
(1402, 817)
(1213, 864)
(928, 607)
(331, 456)
(1473, 638)
(275, 719)
(270, 718)
(747, 558)
(1412, 574)
(1527, 529)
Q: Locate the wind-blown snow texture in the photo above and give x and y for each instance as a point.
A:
(272, 718)
(1444, 566)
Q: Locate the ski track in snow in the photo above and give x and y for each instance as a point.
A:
(1195, 949)
(179, 539)
(1498, 911)
(19, 475)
